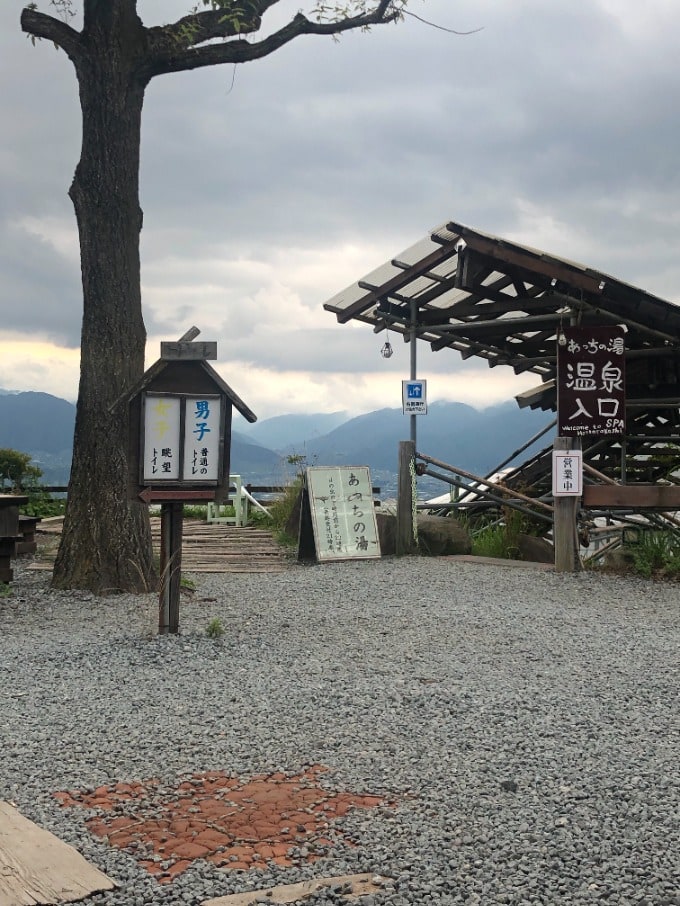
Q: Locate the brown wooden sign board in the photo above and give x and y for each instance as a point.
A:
(189, 351)
(591, 382)
(149, 495)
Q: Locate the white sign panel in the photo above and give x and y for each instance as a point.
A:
(414, 397)
(343, 515)
(567, 473)
(161, 438)
(202, 420)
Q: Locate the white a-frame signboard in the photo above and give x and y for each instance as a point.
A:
(343, 516)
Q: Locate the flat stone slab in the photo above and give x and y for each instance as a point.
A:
(38, 868)
(357, 886)
(500, 561)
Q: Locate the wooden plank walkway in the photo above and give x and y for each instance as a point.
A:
(219, 548)
(37, 867)
(206, 548)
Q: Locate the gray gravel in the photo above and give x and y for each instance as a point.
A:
(525, 723)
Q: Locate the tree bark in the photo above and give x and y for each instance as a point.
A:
(106, 541)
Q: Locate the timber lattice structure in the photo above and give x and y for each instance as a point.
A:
(481, 295)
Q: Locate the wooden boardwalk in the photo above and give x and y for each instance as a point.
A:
(217, 548)
(206, 548)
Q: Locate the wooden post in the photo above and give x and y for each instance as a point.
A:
(172, 514)
(565, 534)
(306, 541)
(406, 542)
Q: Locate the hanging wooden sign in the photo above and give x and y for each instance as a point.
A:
(591, 381)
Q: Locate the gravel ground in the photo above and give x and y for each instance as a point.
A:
(525, 724)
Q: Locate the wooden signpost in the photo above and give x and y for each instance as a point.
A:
(180, 429)
(591, 402)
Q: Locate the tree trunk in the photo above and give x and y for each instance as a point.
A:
(106, 542)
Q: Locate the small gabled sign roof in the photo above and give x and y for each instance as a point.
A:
(159, 367)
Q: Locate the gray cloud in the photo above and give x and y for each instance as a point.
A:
(40, 291)
(555, 124)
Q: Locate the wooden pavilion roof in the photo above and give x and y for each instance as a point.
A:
(482, 295)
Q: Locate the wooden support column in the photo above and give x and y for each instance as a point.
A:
(406, 542)
(172, 515)
(565, 534)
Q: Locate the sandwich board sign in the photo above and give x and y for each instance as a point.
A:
(340, 500)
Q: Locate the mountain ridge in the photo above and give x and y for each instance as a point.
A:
(477, 440)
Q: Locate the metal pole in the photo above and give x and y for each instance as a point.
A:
(414, 323)
(624, 469)
(522, 448)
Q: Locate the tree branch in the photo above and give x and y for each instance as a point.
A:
(40, 25)
(240, 51)
(197, 28)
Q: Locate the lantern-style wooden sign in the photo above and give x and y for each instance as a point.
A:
(180, 441)
(180, 427)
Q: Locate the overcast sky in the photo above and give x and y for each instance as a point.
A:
(269, 187)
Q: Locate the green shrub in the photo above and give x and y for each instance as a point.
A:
(19, 476)
(656, 552)
(16, 470)
(214, 629)
(194, 511)
(282, 509)
(42, 504)
(491, 541)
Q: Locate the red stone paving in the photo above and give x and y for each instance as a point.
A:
(236, 823)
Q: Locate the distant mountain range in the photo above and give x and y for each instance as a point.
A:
(475, 440)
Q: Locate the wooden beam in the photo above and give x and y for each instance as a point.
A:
(186, 496)
(638, 496)
(535, 264)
